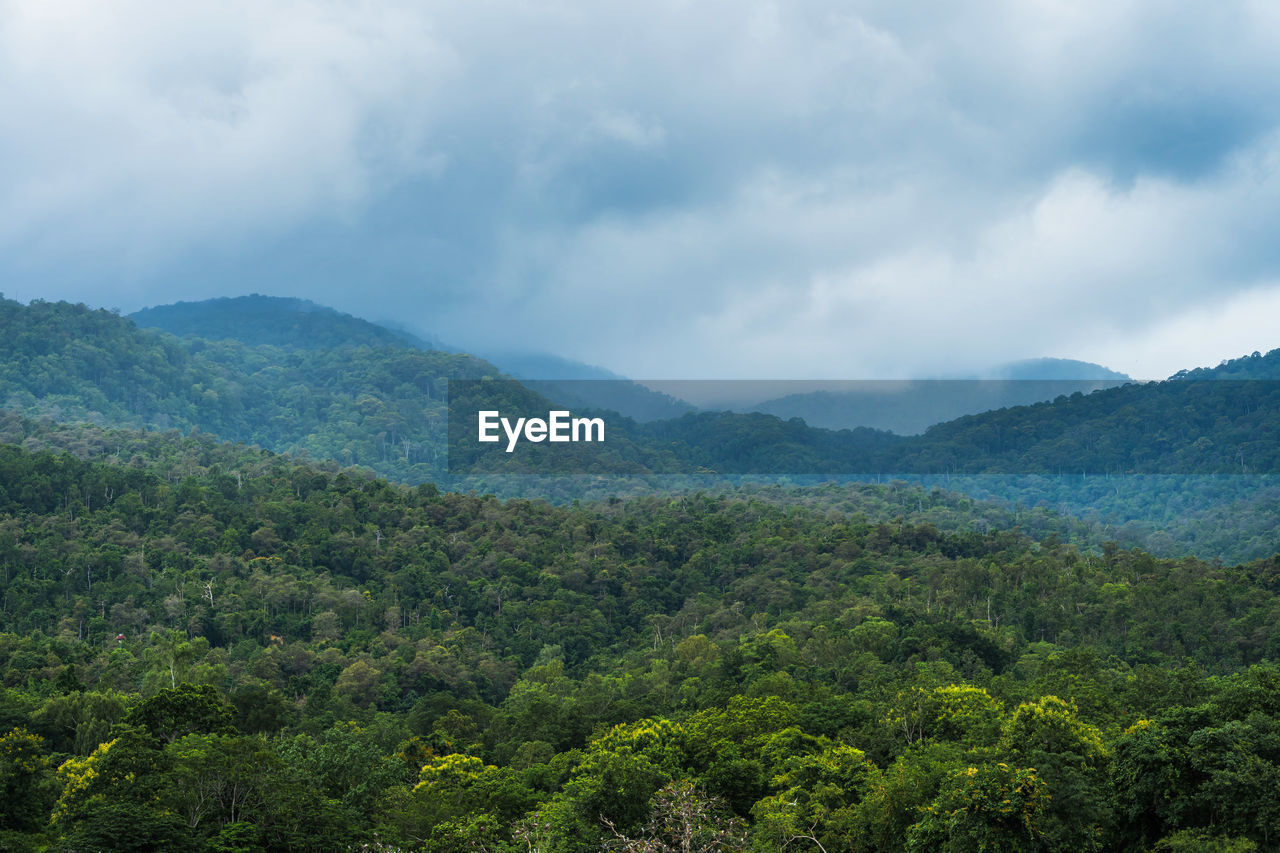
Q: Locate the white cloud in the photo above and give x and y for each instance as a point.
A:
(730, 188)
(1239, 324)
(135, 131)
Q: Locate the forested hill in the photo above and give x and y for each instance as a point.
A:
(297, 323)
(380, 406)
(277, 321)
(256, 654)
(1220, 421)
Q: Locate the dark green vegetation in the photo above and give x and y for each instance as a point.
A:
(376, 405)
(323, 385)
(209, 647)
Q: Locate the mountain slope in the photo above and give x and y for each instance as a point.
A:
(909, 407)
(397, 664)
(382, 407)
(379, 406)
(258, 320)
(1056, 369)
(276, 321)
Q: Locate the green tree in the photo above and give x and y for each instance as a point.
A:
(26, 787)
(817, 799)
(116, 799)
(683, 819)
(988, 808)
(185, 709)
(1070, 758)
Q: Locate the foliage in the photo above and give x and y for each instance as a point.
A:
(989, 808)
(220, 648)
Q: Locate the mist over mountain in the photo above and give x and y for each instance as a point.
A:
(289, 322)
(376, 399)
(529, 551)
(1054, 369)
(909, 407)
(407, 663)
(587, 387)
(382, 405)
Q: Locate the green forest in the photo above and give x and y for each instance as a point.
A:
(242, 610)
(1184, 466)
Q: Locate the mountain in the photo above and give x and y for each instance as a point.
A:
(586, 387)
(544, 366)
(1121, 455)
(256, 320)
(382, 405)
(210, 647)
(909, 407)
(1055, 369)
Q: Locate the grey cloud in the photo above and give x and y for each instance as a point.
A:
(725, 188)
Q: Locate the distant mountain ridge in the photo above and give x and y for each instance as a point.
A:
(1054, 369)
(383, 406)
(909, 407)
(585, 386)
(258, 320)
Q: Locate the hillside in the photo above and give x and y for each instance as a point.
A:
(176, 608)
(91, 365)
(383, 408)
(910, 406)
(258, 320)
(429, 669)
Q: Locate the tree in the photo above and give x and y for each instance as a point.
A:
(115, 799)
(221, 779)
(1070, 758)
(615, 781)
(25, 782)
(817, 798)
(683, 819)
(989, 808)
(186, 709)
(78, 722)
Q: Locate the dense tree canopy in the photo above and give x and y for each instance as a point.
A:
(207, 646)
(248, 640)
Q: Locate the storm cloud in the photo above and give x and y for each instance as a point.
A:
(721, 189)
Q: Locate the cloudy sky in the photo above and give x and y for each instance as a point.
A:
(727, 188)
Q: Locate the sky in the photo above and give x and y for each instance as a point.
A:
(720, 189)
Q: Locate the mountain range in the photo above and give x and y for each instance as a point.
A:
(906, 407)
(329, 386)
(209, 645)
